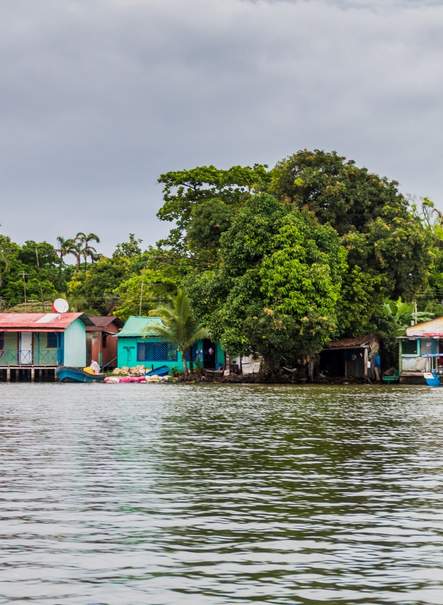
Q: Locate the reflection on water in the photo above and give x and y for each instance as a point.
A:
(164, 495)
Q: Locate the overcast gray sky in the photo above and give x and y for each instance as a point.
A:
(98, 97)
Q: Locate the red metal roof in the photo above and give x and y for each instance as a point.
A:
(39, 322)
(357, 342)
(104, 321)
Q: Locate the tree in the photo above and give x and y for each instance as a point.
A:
(387, 240)
(75, 248)
(64, 247)
(185, 190)
(131, 248)
(84, 247)
(276, 288)
(94, 288)
(179, 324)
(138, 294)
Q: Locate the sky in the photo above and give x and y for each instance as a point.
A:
(99, 97)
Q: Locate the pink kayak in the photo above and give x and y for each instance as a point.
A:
(120, 379)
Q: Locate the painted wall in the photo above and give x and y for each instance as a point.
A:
(103, 355)
(9, 353)
(44, 355)
(416, 362)
(127, 354)
(75, 345)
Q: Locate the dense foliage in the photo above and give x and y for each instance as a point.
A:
(275, 261)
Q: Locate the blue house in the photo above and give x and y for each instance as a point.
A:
(31, 343)
(421, 350)
(140, 345)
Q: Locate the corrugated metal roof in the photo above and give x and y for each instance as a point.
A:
(352, 343)
(427, 328)
(101, 321)
(107, 324)
(39, 322)
(140, 326)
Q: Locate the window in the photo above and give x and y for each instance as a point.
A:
(156, 351)
(409, 347)
(2, 341)
(51, 340)
(104, 340)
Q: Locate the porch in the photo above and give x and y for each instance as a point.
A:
(38, 350)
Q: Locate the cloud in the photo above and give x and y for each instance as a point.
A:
(98, 97)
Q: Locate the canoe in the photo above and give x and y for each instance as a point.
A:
(391, 378)
(66, 374)
(160, 371)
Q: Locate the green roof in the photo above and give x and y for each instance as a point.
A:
(140, 326)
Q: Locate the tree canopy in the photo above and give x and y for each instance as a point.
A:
(275, 261)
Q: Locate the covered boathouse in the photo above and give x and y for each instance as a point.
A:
(350, 358)
(32, 345)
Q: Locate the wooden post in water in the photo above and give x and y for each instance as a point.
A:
(8, 374)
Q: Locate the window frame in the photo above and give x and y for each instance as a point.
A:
(417, 347)
(50, 345)
(146, 352)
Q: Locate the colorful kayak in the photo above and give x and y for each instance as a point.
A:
(66, 374)
(160, 371)
(432, 379)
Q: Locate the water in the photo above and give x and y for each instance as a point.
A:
(164, 495)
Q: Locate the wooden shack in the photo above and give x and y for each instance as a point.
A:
(349, 358)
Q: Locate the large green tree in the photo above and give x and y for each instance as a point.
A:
(388, 243)
(277, 284)
(201, 201)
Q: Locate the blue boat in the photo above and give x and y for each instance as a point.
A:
(432, 379)
(66, 374)
(160, 371)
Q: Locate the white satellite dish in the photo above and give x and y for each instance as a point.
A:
(60, 305)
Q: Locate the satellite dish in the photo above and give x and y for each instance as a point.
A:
(60, 305)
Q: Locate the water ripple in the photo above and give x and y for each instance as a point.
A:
(210, 495)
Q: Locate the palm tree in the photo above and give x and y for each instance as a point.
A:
(179, 324)
(74, 247)
(64, 247)
(87, 251)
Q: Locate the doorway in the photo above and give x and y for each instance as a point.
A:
(25, 349)
(209, 360)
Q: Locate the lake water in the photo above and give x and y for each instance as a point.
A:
(172, 494)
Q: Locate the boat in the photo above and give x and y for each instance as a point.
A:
(160, 371)
(432, 379)
(391, 378)
(67, 374)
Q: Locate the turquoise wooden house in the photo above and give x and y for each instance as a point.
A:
(140, 345)
(33, 342)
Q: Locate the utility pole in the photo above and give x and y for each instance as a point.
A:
(24, 276)
(414, 315)
(141, 298)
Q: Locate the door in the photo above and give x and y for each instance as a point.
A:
(25, 350)
(208, 354)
